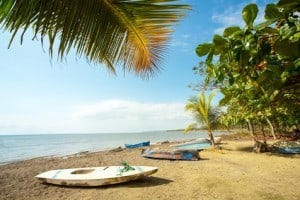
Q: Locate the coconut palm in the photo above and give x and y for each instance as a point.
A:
(201, 108)
(133, 33)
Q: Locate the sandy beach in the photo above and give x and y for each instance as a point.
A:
(234, 172)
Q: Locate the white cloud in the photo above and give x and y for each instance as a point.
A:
(121, 115)
(103, 116)
(232, 16)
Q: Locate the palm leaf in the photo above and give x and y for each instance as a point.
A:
(134, 33)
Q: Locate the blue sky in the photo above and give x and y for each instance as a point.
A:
(39, 95)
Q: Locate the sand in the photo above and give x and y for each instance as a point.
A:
(234, 172)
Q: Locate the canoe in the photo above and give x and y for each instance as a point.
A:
(286, 147)
(171, 154)
(95, 176)
(197, 144)
(141, 144)
(194, 145)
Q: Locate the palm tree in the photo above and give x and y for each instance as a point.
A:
(201, 108)
(133, 33)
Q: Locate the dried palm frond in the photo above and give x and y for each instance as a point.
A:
(129, 32)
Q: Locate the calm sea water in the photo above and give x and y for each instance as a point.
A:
(22, 147)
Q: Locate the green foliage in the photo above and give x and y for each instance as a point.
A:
(257, 67)
(203, 113)
(249, 14)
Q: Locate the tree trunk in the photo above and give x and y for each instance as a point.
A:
(251, 130)
(211, 137)
(228, 129)
(272, 129)
(263, 133)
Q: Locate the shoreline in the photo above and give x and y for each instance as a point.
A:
(232, 172)
(86, 151)
(11, 148)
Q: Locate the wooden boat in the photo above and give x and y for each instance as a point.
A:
(171, 154)
(95, 176)
(141, 144)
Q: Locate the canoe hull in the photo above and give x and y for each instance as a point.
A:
(287, 147)
(171, 154)
(94, 176)
(142, 144)
(194, 145)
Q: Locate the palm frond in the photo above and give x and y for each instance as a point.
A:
(131, 33)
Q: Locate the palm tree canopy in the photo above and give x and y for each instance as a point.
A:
(134, 33)
(201, 108)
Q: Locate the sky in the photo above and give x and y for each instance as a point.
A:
(39, 95)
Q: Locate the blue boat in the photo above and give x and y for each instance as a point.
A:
(171, 154)
(287, 147)
(197, 144)
(141, 144)
(194, 145)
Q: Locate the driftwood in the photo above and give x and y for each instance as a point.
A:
(116, 149)
(260, 147)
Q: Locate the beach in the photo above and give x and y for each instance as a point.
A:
(231, 172)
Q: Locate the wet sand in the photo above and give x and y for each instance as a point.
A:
(234, 172)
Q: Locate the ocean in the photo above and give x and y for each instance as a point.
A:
(22, 147)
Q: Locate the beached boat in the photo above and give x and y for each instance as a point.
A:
(286, 147)
(197, 144)
(171, 154)
(141, 144)
(193, 145)
(95, 176)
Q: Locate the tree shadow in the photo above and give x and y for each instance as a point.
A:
(245, 149)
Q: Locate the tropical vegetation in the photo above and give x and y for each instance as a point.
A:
(203, 113)
(257, 68)
(126, 33)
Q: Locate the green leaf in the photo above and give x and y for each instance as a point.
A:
(219, 40)
(203, 49)
(249, 14)
(230, 31)
(297, 63)
(225, 100)
(264, 25)
(220, 44)
(268, 30)
(297, 35)
(244, 58)
(210, 56)
(287, 49)
(231, 80)
(272, 12)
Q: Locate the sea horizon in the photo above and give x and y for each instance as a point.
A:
(27, 146)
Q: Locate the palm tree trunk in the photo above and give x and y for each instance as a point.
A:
(211, 137)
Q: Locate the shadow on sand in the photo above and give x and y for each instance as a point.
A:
(145, 182)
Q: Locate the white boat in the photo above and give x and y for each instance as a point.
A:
(95, 176)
